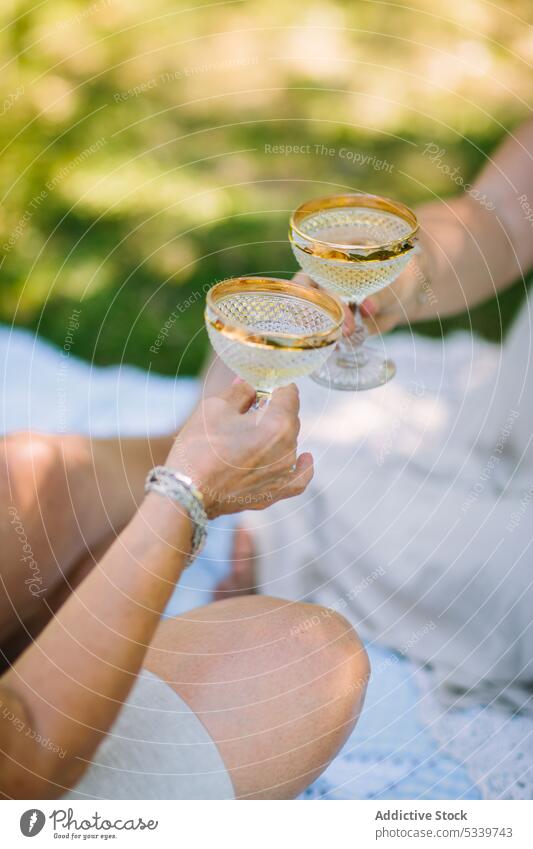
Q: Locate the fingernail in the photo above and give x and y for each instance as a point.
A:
(237, 380)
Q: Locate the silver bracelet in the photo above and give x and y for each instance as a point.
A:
(181, 489)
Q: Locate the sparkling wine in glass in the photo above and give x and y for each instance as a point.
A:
(271, 331)
(353, 245)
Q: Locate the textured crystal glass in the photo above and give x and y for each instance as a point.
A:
(271, 331)
(353, 245)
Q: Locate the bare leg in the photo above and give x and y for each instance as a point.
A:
(61, 497)
(278, 685)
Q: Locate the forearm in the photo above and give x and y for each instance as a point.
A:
(466, 257)
(479, 243)
(71, 683)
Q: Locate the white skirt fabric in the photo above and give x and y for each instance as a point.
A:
(156, 749)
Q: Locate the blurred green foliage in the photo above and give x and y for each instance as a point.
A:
(138, 145)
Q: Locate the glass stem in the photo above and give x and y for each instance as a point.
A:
(261, 399)
(350, 348)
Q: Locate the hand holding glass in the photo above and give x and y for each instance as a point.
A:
(353, 245)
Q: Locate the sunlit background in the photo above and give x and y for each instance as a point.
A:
(150, 148)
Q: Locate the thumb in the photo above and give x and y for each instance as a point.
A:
(382, 311)
(239, 395)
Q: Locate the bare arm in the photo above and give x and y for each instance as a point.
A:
(473, 246)
(69, 685)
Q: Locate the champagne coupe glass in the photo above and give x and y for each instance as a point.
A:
(353, 245)
(271, 331)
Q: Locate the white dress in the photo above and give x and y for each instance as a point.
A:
(418, 523)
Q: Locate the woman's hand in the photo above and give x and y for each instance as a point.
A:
(243, 459)
(394, 305)
(304, 280)
(397, 304)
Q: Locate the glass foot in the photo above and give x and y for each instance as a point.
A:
(354, 372)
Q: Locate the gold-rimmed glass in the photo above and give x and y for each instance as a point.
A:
(353, 245)
(271, 331)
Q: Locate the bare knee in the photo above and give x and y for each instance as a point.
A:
(35, 485)
(279, 686)
(339, 655)
(317, 632)
(38, 465)
(32, 467)
(294, 641)
(27, 452)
